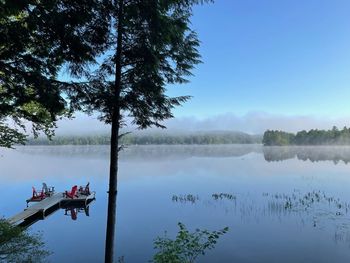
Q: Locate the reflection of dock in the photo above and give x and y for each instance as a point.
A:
(47, 206)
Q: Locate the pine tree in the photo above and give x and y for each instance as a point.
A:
(36, 39)
(144, 46)
(151, 46)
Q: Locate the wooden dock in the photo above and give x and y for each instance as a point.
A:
(47, 206)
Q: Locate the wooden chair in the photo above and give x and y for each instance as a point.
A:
(49, 191)
(72, 193)
(85, 190)
(38, 195)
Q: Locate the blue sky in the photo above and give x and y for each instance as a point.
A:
(268, 64)
(289, 57)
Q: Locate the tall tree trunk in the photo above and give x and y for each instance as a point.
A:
(112, 193)
(113, 172)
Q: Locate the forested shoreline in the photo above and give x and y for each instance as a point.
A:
(333, 136)
(311, 137)
(153, 139)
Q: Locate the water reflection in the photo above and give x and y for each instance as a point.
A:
(178, 152)
(74, 211)
(314, 208)
(308, 153)
(215, 186)
(70, 209)
(145, 153)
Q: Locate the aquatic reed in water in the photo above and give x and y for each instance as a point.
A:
(189, 198)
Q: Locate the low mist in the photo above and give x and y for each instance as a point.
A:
(252, 123)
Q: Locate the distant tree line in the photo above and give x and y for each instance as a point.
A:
(311, 137)
(153, 139)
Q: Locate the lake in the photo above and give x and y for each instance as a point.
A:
(281, 204)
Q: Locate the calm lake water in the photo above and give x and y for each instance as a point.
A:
(282, 204)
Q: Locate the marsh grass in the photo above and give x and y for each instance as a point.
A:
(222, 196)
(188, 198)
(316, 199)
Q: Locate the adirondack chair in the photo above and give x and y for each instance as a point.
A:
(85, 190)
(48, 190)
(72, 193)
(38, 195)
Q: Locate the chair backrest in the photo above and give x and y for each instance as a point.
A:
(74, 190)
(87, 188)
(45, 188)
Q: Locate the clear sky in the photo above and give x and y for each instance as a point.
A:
(286, 57)
(268, 64)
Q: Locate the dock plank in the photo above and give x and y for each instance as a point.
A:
(21, 216)
(38, 207)
(47, 202)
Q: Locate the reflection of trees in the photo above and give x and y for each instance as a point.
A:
(17, 245)
(149, 152)
(307, 153)
(278, 153)
(188, 151)
(173, 152)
